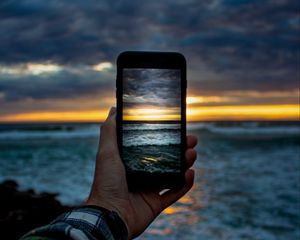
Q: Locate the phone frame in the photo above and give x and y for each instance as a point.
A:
(155, 60)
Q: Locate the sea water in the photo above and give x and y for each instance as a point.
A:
(247, 183)
(152, 147)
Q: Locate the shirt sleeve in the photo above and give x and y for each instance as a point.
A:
(83, 223)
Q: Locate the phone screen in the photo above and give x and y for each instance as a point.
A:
(151, 120)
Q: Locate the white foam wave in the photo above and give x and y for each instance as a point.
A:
(80, 132)
(151, 126)
(256, 130)
(155, 138)
(88, 131)
(245, 128)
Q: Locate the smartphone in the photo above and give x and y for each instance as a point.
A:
(151, 118)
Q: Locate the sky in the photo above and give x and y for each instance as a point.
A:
(57, 58)
(151, 94)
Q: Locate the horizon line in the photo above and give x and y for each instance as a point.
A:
(190, 121)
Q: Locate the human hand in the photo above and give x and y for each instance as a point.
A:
(110, 190)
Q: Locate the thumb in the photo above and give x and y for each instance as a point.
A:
(108, 137)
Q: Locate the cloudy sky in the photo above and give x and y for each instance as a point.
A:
(57, 58)
(151, 94)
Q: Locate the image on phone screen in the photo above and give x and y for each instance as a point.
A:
(152, 120)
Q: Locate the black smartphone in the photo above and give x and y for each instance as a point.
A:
(151, 118)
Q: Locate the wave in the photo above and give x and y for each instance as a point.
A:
(151, 126)
(64, 133)
(245, 128)
(145, 137)
(150, 131)
(69, 131)
(152, 145)
(150, 142)
(257, 131)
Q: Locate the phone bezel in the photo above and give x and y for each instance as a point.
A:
(159, 60)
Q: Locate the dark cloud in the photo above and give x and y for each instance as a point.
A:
(61, 91)
(61, 85)
(229, 44)
(67, 32)
(151, 87)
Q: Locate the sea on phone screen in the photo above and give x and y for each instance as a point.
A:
(152, 147)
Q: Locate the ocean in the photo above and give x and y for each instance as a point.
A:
(152, 147)
(247, 182)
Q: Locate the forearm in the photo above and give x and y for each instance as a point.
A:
(86, 223)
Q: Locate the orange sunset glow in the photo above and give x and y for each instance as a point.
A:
(151, 114)
(194, 113)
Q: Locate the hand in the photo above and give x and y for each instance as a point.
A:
(109, 190)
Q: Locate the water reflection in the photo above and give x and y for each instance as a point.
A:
(151, 159)
(179, 217)
(173, 210)
(244, 189)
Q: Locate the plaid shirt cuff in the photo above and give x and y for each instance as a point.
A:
(84, 223)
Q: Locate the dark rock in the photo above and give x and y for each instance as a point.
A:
(22, 211)
(10, 184)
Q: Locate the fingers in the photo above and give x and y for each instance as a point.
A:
(190, 154)
(191, 141)
(172, 196)
(190, 157)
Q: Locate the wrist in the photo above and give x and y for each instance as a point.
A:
(111, 208)
(114, 221)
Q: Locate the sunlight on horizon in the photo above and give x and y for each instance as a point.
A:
(251, 112)
(151, 113)
(200, 113)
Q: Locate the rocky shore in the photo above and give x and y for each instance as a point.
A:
(22, 211)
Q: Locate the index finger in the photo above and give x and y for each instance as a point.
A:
(191, 141)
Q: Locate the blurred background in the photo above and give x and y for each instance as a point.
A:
(57, 82)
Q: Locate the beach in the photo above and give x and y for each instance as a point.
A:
(247, 176)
